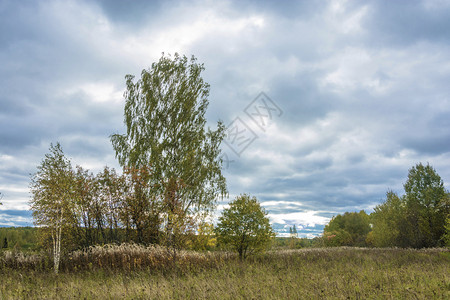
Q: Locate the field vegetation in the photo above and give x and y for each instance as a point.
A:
(137, 272)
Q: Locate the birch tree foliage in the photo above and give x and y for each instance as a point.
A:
(166, 130)
(52, 194)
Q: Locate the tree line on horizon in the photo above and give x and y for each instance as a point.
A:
(418, 219)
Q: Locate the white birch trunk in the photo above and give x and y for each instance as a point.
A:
(54, 250)
(57, 244)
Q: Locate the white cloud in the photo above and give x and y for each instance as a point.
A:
(307, 219)
(102, 92)
(7, 220)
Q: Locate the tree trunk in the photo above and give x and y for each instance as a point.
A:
(56, 248)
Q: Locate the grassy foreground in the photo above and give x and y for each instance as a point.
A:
(336, 273)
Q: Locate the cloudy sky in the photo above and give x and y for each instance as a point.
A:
(356, 93)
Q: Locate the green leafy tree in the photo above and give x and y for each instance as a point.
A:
(416, 219)
(204, 239)
(83, 217)
(388, 219)
(52, 188)
(141, 212)
(244, 226)
(293, 232)
(427, 206)
(111, 193)
(349, 229)
(293, 237)
(98, 201)
(166, 132)
(446, 236)
(179, 229)
(336, 238)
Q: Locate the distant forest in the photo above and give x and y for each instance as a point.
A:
(19, 238)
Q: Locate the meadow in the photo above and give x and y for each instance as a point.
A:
(137, 272)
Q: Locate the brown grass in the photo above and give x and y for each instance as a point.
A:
(134, 272)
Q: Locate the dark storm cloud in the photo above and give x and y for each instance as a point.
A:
(132, 13)
(402, 23)
(290, 9)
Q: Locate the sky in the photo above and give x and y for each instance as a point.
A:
(336, 100)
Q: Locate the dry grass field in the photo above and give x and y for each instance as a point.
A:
(134, 272)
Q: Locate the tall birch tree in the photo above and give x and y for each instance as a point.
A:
(167, 133)
(52, 189)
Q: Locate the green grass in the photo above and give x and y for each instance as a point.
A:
(334, 273)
